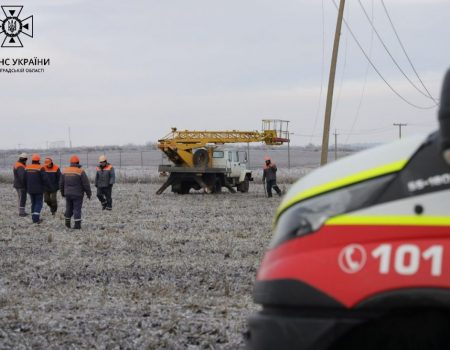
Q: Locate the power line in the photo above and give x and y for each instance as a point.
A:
(322, 74)
(389, 53)
(406, 54)
(378, 71)
(358, 109)
(341, 83)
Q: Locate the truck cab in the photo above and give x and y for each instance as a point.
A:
(235, 163)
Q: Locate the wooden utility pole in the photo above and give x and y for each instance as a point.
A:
(400, 128)
(326, 125)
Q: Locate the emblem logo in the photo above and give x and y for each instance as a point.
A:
(352, 258)
(12, 26)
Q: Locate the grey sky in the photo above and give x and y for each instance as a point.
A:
(125, 72)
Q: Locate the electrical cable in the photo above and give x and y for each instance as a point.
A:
(322, 74)
(341, 83)
(389, 53)
(406, 54)
(378, 71)
(358, 109)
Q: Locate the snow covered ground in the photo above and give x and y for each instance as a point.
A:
(158, 272)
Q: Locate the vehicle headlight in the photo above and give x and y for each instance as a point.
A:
(309, 215)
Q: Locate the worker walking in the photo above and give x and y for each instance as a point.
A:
(19, 182)
(53, 176)
(73, 184)
(270, 177)
(104, 181)
(35, 181)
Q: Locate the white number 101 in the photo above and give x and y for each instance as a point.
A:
(407, 267)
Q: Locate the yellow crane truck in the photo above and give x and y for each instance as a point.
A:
(199, 160)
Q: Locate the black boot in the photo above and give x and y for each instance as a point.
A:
(68, 222)
(77, 225)
(277, 189)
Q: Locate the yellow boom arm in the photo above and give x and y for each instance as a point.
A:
(179, 145)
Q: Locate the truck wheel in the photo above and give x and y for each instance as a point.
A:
(217, 186)
(244, 186)
(181, 188)
(200, 158)
(185, 188)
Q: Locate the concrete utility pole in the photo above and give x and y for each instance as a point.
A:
(70, 139)
(335, 143)
(400, 128)
(326, 126)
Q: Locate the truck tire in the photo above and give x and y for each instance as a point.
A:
(217, 186)
(181, 188)
(185, 188)
(244, 186)
(201, 158)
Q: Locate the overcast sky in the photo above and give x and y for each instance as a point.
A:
(126, 71)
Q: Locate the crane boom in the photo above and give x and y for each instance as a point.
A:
(204, 137)
(179, 145)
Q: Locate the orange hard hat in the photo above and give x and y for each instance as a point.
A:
(36, 157)
(74, 159)
(48, 161)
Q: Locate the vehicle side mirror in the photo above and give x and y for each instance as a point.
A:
(444, 118)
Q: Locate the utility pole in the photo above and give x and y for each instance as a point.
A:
(335, 143)
(70, 139)
(400, 128)
(248, 154)
(326, 126)
(289, 149)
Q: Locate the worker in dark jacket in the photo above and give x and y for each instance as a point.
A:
(73, 184)
(35, 181)
(19, 182)
(53, 176)
(104, 181)
(270, 177)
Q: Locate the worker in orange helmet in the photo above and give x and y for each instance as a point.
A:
(270, 177)
(53, 175)
(73, 184)
(36, 180)
(19, 182)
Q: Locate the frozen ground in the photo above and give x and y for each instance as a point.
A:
(136, 174)
(159, 272)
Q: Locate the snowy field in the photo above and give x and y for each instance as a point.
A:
(158, 272)
(150, 175)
